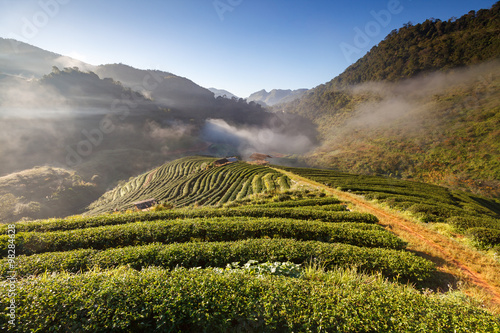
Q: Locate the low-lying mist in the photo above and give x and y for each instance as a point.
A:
(251, 139)
(75, 120)
(439, 127)
(410, 102)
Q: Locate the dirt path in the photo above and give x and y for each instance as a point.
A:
(449, 255)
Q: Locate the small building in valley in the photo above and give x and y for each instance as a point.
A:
(225, 161)
(260, 159)
(145, 204)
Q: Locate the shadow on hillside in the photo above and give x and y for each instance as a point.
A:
(439, 281)
(488, 203)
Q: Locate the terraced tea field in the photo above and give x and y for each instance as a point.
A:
(459, 258)
(281, 259)
(193, 180)
(470, 215)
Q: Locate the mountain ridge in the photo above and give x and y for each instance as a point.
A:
(433, 45)
(222, 93)
(275, 96)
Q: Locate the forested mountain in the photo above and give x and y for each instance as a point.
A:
(433, 45)
(419, 106)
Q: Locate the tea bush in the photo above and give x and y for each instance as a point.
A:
(464, 223)
(214, 229)
(392, 263)
(484, 236)
(158, 300)
(300, 213)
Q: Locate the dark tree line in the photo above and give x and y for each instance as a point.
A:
(429, 46)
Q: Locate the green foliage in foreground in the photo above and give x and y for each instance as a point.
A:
(215, 229)
(392, 263)
(156, 300)
(114, 219)
(267, 268)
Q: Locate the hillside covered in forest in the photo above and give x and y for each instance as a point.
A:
(423, 104)
(433, 45)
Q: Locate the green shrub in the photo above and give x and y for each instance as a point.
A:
(157, 300)
(281, 197)
(402, 205)
(392, 263)
(484, 236)
(466, 222)
(332, 208)
(430, 213)
(215, 229)
(267, 268)
(302, 203)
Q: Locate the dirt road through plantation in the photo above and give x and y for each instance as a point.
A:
(448, 254)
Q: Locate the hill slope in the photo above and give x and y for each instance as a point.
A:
(43, 192)
(188, 263)
(192, 180)
(439, 127)
(442, 130)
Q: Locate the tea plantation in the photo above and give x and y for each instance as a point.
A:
(275, 259)
(193, 180)
(471, 215)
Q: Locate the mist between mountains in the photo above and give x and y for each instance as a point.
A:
(120, 108)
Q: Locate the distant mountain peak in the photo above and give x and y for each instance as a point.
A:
(275, 96)
(222, 93)
(28, 61)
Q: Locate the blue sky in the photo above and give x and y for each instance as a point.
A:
(238, 45)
